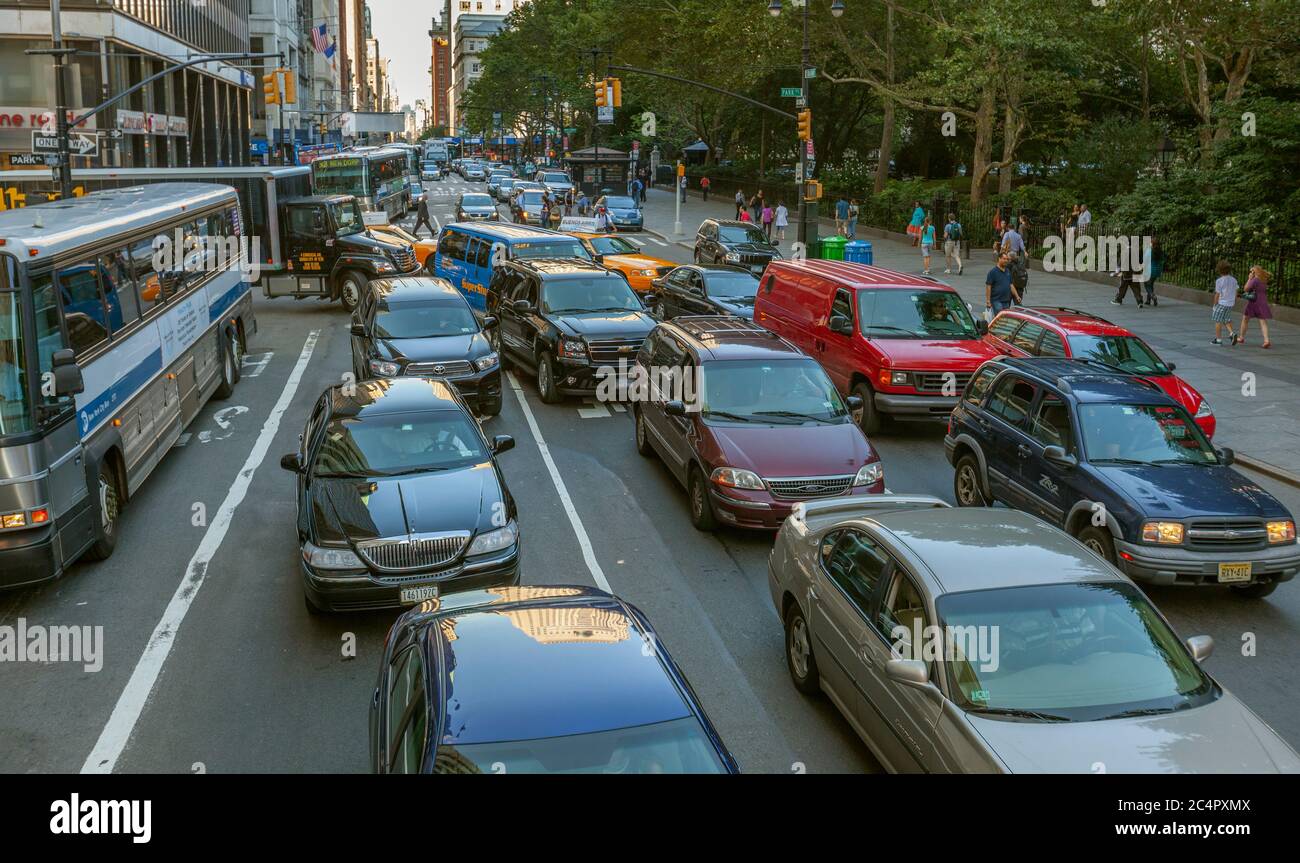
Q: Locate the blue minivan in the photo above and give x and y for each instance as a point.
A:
(467, 252)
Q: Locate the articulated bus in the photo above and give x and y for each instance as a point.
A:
(261, 191)
(105, 358)
(378, 178)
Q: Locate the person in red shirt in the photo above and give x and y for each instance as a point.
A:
(704, 187)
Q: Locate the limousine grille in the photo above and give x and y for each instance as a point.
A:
(1230, 533)
(610, 351)
(942, 383)
(444, 369)
(810, 488)
(419, 552)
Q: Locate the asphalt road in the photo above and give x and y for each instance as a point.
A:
(245, 680)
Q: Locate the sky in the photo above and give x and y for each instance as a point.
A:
(402, 28)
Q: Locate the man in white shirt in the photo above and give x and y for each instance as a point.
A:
(1085, 219)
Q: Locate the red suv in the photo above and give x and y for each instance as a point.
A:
(906, 346)
(1029, 331)
(747, 422)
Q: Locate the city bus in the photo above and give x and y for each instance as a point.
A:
(261, 192)
(106, 358)
(414, 182)
(378, 178)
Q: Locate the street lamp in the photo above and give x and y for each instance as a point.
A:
(1165, 152)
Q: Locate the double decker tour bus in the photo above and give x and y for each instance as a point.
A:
(105, 358)
(378, 178)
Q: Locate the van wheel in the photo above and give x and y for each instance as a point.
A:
(1255, 591)
(643, 445)
(546, 380)
(109, 507)
(697, 489)
(966, 485)
(799, 657)
(1099, 541)
(867, 417)
(351, 284)
(232, 356)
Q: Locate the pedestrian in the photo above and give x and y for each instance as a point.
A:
(1225, 297)
(631, 186)
(999, 293)
(927, 244)
(1013, 245)
(740, 201)
(638, 190)
(1156, 268)
(768, 216)
(918, 219)
(645, 184)
(1084, 220)
(852, 226)
(841, 215)
(952, 237)
(704, 187)
(568, 203)
(602, 220)
(422, 218)
(1257, 307)
(546, 210)
(556, 215)
(756, 205)
(782, 220)
(744, 216)
(1127, 282)
(582, 204)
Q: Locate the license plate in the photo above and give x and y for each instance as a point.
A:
(1231, 572)
(412, 595)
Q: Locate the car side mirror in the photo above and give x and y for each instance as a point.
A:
(599, 258)
(841, 325)
(522, 306)
(490, 322)
(1200, 646)
(67, 374)
(649, 298)
(291, 462)
(981, 326)
(1227, 456)
(502, 443)
(1171, 366)
(854, 403)
(359, 330)
(909, 672)
(675, 408)
(1058, 456)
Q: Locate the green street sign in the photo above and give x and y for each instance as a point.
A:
(791, 92)
(810, 72)
(569, 130)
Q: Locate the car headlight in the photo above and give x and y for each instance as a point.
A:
(494, 540)
(648, 273)
(731, 258)
(894, 378)
(384, 369)
(1204, 410)
(487, 362)
(385, 267)
(330, 558)
(1281, 531)
(870, 474)
(1163, 532)
(734, 477)
(573, 348)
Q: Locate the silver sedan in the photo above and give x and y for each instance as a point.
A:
(986, 640)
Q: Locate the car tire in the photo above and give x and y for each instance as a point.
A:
(641, 434)
(1254, 591)
(799, 657)
(546, 381)
(109, 508)
(231, 357)
(967, 485)
(701, 506)
(351, 284)
(868, 418)
(1098, 540)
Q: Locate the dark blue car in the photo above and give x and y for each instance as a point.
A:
(535, 680)
(1113, 461)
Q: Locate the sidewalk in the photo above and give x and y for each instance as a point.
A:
(1261, 423)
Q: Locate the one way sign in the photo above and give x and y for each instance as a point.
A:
(79, 143)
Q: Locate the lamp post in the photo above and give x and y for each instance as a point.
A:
(1165, 152)
(807, 213)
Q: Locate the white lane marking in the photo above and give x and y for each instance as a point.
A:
(637, 240)
(660, 242)
(220, 417)
(593, 411)
(254, 364)
(130, 704)
(584, 542)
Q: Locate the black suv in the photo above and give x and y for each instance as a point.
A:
(421, 325)
(1115, 462)
(566, 318)
(741, 244)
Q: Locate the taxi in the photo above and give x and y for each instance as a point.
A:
(424, 247)
(615, 253)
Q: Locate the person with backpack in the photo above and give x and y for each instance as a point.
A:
(851, 226)
(952, 237)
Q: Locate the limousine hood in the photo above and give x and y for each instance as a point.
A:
(435, 348)
(626, 324)
(353, 510)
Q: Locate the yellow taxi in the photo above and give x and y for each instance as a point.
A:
(616, 253)
(424, 246)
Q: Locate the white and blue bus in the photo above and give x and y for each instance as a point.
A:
(105, 358)
(379, 178)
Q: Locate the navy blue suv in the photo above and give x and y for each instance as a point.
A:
(1113, 461)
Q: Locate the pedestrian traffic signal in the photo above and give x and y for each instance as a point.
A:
(290, 85)
(616, 90)
(602, 94)
(805, 125)
(271, 87)
(812, 190)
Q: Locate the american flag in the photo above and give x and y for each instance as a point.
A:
(320, 39)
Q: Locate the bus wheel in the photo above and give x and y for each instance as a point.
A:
(350, 286)
(231, 358)
(109, 510)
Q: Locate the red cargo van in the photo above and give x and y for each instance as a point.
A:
(906, 345)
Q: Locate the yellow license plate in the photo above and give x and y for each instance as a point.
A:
(1231, 572)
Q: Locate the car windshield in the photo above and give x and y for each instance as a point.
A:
(15, 399)
(476, 200)
(738, 234)
(559, 248)
(348, 218)
(424, 320)
(613, 246)
(555, 177)
(731, 285)
(620, 203)
(1126, 352)
(770, 392)
(429, 166)
(918, 314)
(530, 198)
(398, 443)
(1148, 434)
(674, 746)
(603, 293)
(1076, 652)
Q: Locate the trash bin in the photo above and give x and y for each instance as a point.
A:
(814, 249)
(858, 252)
(833, 248)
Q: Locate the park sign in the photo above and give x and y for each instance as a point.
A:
(791, 92)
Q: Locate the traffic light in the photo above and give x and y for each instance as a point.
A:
(602, 94)
(805, 125)
(271, 87)
(290, 86)
(616, 89)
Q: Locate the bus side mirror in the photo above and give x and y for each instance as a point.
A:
(67, 374)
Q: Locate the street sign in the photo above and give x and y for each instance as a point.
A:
(809, 149)
(569, 130)
(810, 72)
(79, 143)
(798, 173)
(801, 102)
(27, 160)
(605, 114)
(791, 92)
(114, 134)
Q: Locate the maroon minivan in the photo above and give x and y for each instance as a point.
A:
(747, 422)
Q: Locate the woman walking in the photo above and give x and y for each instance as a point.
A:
(768, 215)
(853, 219)
(782, 220)
(1257, 307)
(918, 219)
(927, 244)
(1225, 297)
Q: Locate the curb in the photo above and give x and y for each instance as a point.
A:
(1269, 470)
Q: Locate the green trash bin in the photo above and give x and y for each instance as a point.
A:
(813, 250)
(833, 248)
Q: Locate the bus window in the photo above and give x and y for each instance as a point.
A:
(140, 258)
(83, 307)
(49, 336)
(119, 288)
(15, 416)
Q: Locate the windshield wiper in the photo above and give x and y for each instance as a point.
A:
(793, 415)
(1146, 711)
(1016, 711)
(408, 471)
(1120, 461)
(891, 329)
(729, 416)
